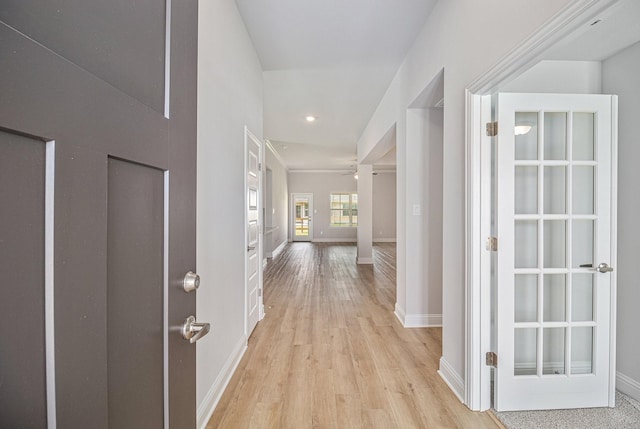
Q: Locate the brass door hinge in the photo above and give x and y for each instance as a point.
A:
(492, 359)
(492, 129)
(492, 244)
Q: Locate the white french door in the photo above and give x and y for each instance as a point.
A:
(555, 226)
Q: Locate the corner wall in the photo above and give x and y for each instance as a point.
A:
(229, 97)
(621, 76)
(455, 39)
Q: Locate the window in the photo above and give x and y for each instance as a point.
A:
(344, 209)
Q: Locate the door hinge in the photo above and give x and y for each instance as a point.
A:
(492, 129)
(492, 244)
(259, 166)
(260, 292)
(492, 359)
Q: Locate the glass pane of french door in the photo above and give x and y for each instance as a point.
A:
(554, 173)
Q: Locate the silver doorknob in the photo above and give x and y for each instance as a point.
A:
(191, 282)
(193, 331)
(250, 248)
(604, 268)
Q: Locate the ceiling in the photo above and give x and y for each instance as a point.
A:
(332, 59)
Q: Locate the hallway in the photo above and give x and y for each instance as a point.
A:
(330, 353)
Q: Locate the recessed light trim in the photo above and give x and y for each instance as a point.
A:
(310, 118)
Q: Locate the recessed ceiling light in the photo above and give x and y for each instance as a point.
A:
(310, 118)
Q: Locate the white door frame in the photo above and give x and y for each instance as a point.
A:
(293, 214)
(478, 185)
(249, 135)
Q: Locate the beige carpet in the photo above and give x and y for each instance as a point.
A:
(625, 415)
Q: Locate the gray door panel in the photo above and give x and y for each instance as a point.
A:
(119, 41)
(22, 288)
(104, 122)
(135, 249)
(45, 95)
(80, 287)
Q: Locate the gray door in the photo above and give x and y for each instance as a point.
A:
(97, 213)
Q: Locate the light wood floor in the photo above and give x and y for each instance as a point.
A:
(330, 353)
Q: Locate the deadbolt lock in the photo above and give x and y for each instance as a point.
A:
(191, 282)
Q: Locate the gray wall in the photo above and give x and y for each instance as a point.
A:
(621, 76)
(277, 214)
(321, 185)
(384, 207)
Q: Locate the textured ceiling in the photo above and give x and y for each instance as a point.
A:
(333, 59)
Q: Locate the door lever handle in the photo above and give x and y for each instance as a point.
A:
(250, 248)
(193, 331)
(604, 268)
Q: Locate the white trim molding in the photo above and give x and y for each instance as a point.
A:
(384, 240)
(418, 320)
(399, 312)
(275, 154)
(277, 250)
(211, 399)
(334, 240)
(423, 321)
(628, 386)
(452, 378)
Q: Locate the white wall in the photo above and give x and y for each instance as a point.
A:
(279, 204)
(562, 77)
(466, 38)
(229, 97)
(384, 207)
(321, 185)
(422, 305)
(621, 76)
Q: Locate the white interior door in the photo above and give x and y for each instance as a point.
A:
(253, 265)
(302, 207)
(555, 226)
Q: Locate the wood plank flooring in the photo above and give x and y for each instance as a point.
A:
(330, 353)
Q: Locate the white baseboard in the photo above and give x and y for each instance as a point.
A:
(384, 240)
(334, 240)
(399, 312)
(278, 249)
(628, 385)
(451, 377)
(423, 320)
(418, 320)
(211, 399)
(363, 261)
